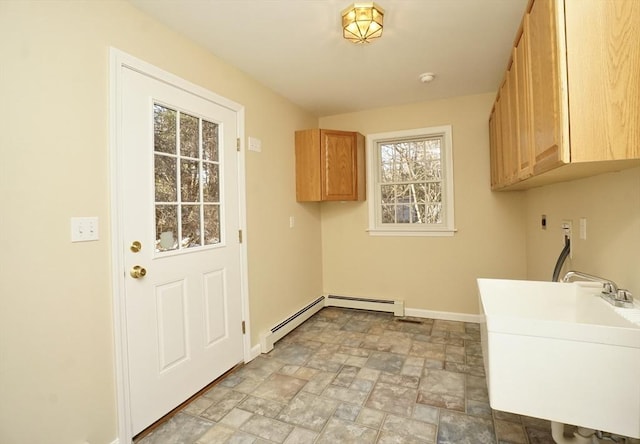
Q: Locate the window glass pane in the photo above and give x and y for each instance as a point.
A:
(189, 135)
(209, 141)
(433, 170)
(210, 182)
(388, 214)
(403, 214)
(166, 179)
(418, 151)
(166, 227)
(411, 174)
(434, 214)
(189, 177)
(399, 165)
(386, 163)
(434, 192)
(403, 194)
(433, 148)
(418, 214)
(388, 194)
(211, 224)
(419, 191)
(190, 226)
(164, 129)
(187, 180)
(415, 162)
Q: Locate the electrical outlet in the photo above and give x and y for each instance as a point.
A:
(255, 144)
(567, 233)
(583, 228)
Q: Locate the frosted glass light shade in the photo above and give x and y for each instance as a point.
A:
(362, 22)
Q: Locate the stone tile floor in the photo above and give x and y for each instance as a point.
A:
(351, 376)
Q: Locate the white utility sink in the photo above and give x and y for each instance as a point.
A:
(558, 351)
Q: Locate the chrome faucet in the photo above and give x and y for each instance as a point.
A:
(618, 297)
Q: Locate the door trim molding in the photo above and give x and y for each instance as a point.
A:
(119, 60)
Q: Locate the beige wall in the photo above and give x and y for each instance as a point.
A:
(57, 380)
(429, 273)
(611, 205)
(57, 383)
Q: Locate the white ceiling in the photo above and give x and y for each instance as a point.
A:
(296, 48)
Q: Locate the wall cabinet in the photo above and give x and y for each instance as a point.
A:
(329, 165)
(572, 92)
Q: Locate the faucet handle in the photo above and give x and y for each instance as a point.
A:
(607, 288)
(624, 295)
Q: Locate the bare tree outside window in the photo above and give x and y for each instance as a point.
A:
(187, 180)
(411, 182)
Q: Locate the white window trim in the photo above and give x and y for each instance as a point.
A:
(447, 227)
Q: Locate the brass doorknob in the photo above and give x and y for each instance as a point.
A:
(137, 272)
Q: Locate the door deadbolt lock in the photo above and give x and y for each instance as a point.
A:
(135, 246)
(138, 272)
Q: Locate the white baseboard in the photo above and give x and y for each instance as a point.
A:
(254, 353)
(269, 338)
(116, 441)
(442, 315)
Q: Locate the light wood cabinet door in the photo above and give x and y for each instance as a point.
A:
(506, 153)
(546, 107)
(523, 93)
(339, 160)
(604, 98)
(572, 92)
(329, 165)
(493, 148)
(513, 140)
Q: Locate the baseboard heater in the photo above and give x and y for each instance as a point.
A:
(283, 328)
(288, 325)
(395, 307)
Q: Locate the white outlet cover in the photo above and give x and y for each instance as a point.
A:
(583, 228)
(255, 144)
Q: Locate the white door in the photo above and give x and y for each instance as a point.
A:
(180, 229)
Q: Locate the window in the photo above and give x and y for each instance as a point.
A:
(187, 180)
(410, 176)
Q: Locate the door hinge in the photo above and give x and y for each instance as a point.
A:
(240, 236)
(244, 328)
(238, 144)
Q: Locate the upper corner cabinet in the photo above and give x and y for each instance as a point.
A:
(576, 111)
(329, 166)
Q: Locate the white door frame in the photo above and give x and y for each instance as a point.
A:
(118, 60)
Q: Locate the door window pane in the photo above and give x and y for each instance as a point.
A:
(164, 129)
(190, 226)
(211, 224)
(210, 182)
(191, 165)
(209, 141)
(165, 172)
(189, 135)
(190, 181)
(166, 227)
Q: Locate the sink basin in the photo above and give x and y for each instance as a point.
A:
(558, 351)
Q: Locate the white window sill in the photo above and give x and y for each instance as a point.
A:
(433, 232)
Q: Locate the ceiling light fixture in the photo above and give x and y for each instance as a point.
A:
(362, 22)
